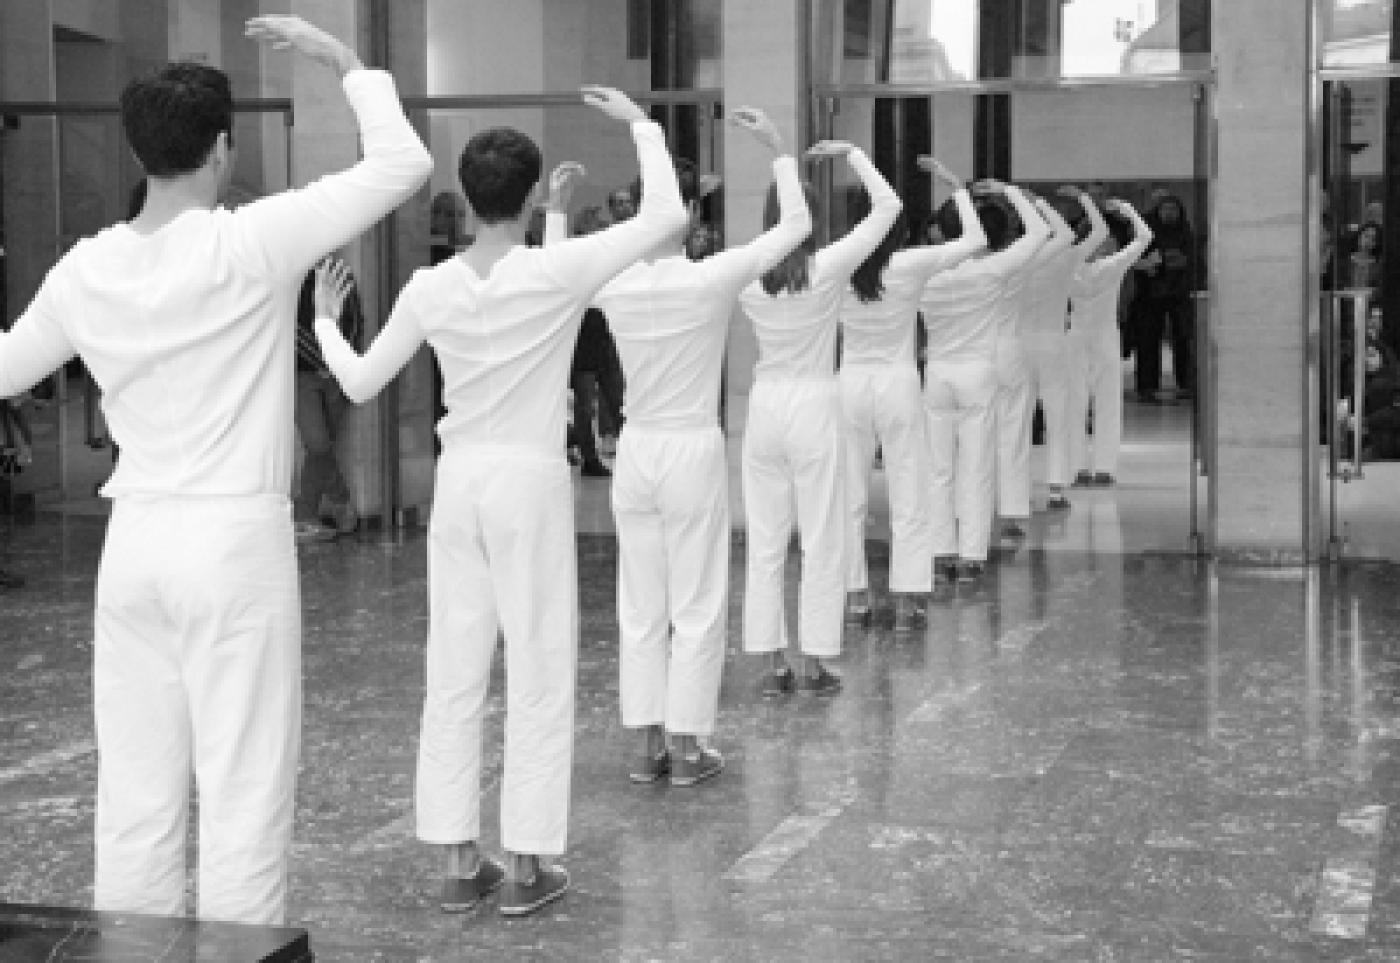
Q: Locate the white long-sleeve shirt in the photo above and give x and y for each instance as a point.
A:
(504, 342)
(669, 317)
(796, 330)
(966, 306)
(1094, 291)
(190, 330)
(884, 331)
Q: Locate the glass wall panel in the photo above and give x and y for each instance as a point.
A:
(1357, 33)
(948, 41)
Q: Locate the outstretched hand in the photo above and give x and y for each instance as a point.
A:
(333, 285)
(612, 102)
(756, 122)
(830, 148)
(286, 32)
(561, 184)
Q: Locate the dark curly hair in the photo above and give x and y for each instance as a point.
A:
(498, 170)
(173, 117)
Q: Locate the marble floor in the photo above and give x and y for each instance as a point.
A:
(1107, 750)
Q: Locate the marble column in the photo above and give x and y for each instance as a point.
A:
(762, 66)
(1257, 322)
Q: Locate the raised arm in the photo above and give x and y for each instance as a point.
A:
(556, 208)
(1098, 227)
(288, 232)
(1095, 277)
(1036, 233)
(590, 261)
(361, 378)
(932, 258)
(842, 257)
(36, 345)
(1061, 234)
(741, 265)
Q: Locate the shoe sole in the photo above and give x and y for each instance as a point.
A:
(684, 781)
(515, 912)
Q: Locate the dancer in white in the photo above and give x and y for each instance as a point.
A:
(502, 319)
(1047, 321)
(185, 317)
(961, 312)
(883, 404)
(669, 316)
(1095, 348)
(792, 456)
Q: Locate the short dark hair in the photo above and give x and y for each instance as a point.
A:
(173, 117)
(498, 170)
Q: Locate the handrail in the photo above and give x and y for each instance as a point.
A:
(1007, 85)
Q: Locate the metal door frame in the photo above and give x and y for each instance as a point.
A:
(1204, 421)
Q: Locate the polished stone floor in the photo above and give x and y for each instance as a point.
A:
(1089, 756)
(1108, 750)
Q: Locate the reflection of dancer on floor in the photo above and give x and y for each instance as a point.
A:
(960, 308)
(793, 449)
(184, 316)
(883, 404)
(502, 318)
(670, 316)
(1095, 347)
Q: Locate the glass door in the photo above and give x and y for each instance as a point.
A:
(1358, 371)
(1142, 140)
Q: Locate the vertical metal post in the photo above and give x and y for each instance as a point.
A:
(1358, 378)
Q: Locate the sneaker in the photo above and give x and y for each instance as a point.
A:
(1057, 503)
(823, 683)
(857, 609)
(651, 768)
(945, 573)
(775, 684)
(461, 894)
(344, 517)
(1012, 530)
(1103, 479)
(9, 580)
(523, 898)
(688, 770)
(307, 532)
(1083, 479)
(969, 571)
(595, 469)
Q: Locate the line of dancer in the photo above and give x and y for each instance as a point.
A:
(186, 318)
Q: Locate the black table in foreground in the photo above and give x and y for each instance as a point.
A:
(37, 933)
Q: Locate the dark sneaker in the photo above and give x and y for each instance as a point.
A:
(651, 768)
(857, 614)
(595, 469)
(945, 573)
(1083, 479)
(1103, 479)
(523, 898)
(688, 770)
(10, 580)
(775, 684)
(821, 684)
(1012, 530)
(461, 894)
(1057, 503)
(969, 571)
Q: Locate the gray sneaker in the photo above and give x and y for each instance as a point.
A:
(460, 894)
(523, 898)
(688, 770)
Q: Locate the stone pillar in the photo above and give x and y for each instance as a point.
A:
(1262, 483)
(762, 52)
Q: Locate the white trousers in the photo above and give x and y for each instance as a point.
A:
(501, 556)
(793, 471)
(670, 497)
(1014, 407)
(1098, 378)
(884, 408)
(958, 396)
(1049, 362)
(197, 671)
